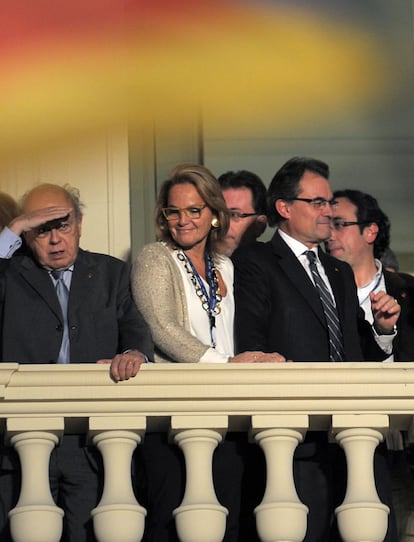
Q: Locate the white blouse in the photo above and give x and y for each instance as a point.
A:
(199, 320)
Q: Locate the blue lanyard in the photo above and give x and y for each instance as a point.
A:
(209, 300)
(374, 288)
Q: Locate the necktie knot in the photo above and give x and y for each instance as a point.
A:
(311, 256)
(57, 275)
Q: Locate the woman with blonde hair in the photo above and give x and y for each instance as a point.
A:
(183, 283)
(183, 286)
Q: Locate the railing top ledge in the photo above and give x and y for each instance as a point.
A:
(81, 375)
(222, 380)
(318, 390)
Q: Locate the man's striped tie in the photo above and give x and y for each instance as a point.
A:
(335, 333)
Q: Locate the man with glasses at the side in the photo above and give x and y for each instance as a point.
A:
(61, 304)
(294, 299)
(360, 235)
(245, 195)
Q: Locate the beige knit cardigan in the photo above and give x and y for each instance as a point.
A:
(158, 291)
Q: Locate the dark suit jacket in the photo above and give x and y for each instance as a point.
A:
(401, 286)
(103, 319)
(278, 308)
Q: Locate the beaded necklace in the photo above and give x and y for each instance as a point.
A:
(209, 301)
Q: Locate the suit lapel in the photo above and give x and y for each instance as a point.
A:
(394, 285)
(83, 276)
(39, 279)
(294, 271)
(83, 280)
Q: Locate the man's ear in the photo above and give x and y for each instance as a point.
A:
(370, 233)
(283, 208)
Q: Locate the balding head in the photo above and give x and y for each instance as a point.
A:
(48, 195)
(54, 242)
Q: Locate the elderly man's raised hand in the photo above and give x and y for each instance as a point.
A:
(29, 221)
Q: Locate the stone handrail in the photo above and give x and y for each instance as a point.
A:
(357, 403)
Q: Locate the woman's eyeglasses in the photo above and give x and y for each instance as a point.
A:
(174, 213)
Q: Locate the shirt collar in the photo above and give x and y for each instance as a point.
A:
(296, 246)
(376, 278)
(70, 268)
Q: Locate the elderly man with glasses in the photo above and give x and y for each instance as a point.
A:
(61, 304)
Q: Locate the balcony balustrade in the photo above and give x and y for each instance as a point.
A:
(357, 403)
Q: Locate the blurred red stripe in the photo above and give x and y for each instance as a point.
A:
(25, 24)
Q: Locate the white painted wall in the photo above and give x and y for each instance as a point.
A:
(98, 167)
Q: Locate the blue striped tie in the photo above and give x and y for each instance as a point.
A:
(63, 296)
(332, 320)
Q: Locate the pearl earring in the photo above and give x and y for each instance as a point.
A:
(215, 223)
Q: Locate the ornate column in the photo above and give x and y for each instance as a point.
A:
(35, 518)
(200, 510)
(118, 515)
(281, 516)
(361, 517)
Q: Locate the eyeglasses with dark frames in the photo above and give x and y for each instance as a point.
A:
(174, 213)
(237, 216)
(62, 225)
(340, 224)
(317, 203)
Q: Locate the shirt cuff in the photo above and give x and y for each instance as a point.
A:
(385, 341)
(212, 356)
(146, 360)
(9, 243)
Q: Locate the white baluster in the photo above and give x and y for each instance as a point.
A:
(35, 518)
(200, 512)
(281, 516)
(118, 515)
(361, 517)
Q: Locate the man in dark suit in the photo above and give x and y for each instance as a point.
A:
(280, 307)
(100, 323)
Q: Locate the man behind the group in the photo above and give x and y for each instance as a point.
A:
(360, 236)
(279, 309)
(101, 323)
(245, 196)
